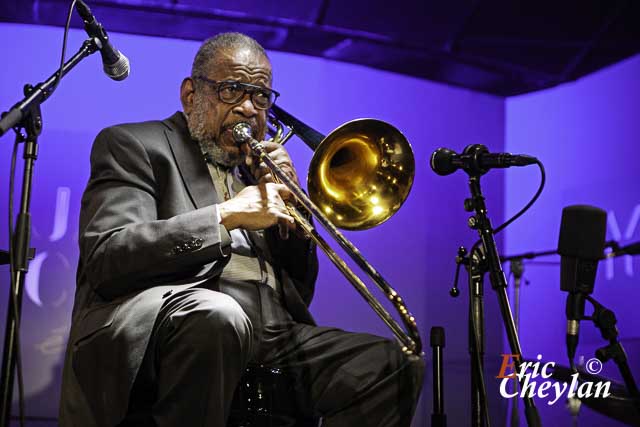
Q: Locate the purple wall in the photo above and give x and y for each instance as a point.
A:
(587, 135)
(415, 250)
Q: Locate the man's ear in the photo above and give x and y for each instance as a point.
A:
(186, 94)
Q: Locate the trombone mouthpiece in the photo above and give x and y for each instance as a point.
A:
(242, 132)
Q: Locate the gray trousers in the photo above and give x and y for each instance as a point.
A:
(203, 340)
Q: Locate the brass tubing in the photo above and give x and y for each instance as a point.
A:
(411, 341)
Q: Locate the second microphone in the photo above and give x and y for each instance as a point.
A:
(476, 160)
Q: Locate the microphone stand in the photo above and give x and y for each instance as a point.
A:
(516, 267)
(476, 269)
(481, 222)
(528, 255)
(26, 115)
(605, 320)
(438, 416)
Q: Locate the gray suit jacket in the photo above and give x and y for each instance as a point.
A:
(147, 228)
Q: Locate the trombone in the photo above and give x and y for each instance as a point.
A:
(359, 176)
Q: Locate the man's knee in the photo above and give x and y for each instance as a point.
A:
(410, 368)
(226, 315)
(416, 367)
(215, 319)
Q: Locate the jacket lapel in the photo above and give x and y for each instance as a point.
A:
(190, 161)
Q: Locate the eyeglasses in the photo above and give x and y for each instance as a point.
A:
(231, 92)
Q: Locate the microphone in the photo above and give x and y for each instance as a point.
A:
(580, 245)
(475, 160)
(114, 63)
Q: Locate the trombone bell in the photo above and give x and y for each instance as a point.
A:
(361, 173)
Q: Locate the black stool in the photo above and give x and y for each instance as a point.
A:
(263, 399)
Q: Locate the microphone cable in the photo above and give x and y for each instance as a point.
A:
(536, 196)
(64, 46)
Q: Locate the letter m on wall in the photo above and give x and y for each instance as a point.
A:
(616, 234)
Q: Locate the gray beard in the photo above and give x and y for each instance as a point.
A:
(197, 129)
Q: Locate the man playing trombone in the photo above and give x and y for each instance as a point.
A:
(191, 268)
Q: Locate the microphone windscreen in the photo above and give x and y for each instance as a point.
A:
(442, 161)
(582, 232)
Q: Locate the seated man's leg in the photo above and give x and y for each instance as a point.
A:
(199, 349)
(349, 379)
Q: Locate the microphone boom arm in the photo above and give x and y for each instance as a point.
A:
(42, 91)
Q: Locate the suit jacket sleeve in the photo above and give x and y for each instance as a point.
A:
(124, 245)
